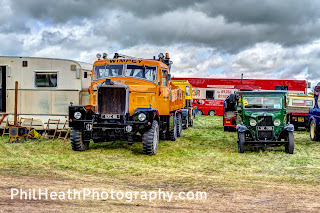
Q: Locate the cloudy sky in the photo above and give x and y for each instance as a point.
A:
(205, 38)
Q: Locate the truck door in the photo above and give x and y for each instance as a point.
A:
(164, 92)
(2, 89)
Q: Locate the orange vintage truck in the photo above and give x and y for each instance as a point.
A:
(131, 99)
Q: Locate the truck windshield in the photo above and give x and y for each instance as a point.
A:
(262, 102)
(105, 71)
(298, 102)
(145, 72)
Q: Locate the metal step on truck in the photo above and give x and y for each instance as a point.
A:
(131, 99)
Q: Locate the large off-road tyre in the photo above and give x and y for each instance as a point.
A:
(314, 136)
(179, 125)
(212, 112)
(289, 147)
(163, 135)
(173, 133)
(150, 139)
(242, 139)
(77, 140)
(226, 128)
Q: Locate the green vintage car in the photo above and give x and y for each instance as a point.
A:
(262, 120)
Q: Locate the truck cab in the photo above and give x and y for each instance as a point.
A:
(298, 109)
(188, 112)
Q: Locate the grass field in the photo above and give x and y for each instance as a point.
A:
(203, 158)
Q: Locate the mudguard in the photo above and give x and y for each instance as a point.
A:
(151, 113)
(86, 115)
(241, 128)
(289, 128)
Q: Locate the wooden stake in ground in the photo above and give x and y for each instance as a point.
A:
(17, 131)
(16, 103)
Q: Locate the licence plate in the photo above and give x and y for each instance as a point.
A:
(110, 116)
(300, 119)
(265, 128)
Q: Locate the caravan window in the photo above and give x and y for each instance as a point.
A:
(45, 79)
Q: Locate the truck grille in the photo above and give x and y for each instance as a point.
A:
(265, 121)
(265, 135)
(111, 100)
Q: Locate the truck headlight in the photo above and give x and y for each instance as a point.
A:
(277, 122)
(77, 115)
(142, 117)
(253, 122)
(129, 128)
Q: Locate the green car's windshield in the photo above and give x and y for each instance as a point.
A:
(262, 102)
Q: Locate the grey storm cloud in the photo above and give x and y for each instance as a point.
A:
(223, 24)
(206, 38)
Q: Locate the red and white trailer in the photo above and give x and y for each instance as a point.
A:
(211, 92)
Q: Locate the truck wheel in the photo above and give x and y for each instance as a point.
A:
(173, 133)
(242, 139)
(179, 125)
(163, 135)
(150, 139)
(199, 112)
(289, 147)
(212, 113)
(314, 136)
(77, 140)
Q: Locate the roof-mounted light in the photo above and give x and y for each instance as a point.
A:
(98, 56)
(105, 55)
(161, 55)
(167, 55)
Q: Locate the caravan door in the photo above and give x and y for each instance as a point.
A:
(2, 89)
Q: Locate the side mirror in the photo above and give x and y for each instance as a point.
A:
(169, 77)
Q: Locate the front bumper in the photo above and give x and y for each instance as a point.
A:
(276, 136)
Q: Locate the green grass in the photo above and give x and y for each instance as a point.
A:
(204, 155)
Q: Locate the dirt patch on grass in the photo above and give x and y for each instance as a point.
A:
(255, 198)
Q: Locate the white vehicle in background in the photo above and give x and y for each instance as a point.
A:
(46, 88)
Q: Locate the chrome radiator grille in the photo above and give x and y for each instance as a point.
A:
(111, 100)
